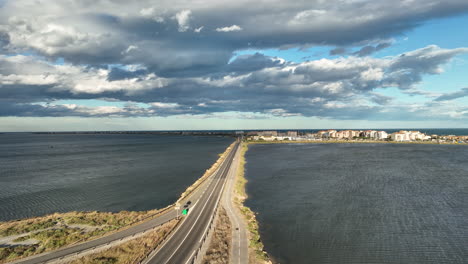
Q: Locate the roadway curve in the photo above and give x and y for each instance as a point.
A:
(182, 246)
(136, 229)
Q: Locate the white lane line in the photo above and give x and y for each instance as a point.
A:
(198, 215)
(190, 230)
(173, 233)
(188, 260)
(191, 208)
(216, 205)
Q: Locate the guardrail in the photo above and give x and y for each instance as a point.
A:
(198, 255)
(109, 244)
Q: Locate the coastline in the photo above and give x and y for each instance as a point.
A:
(89, 219)
(352, 142)
(257, 253)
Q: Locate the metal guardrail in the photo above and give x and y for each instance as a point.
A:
(113, 242)
(197, 257)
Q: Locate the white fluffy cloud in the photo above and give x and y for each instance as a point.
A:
(183, 18)
(229, 29)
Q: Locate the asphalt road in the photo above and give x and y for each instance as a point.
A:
(185, 241)
(240, 243)
(159, 220)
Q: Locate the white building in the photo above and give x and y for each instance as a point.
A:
(400, 136)
(380, 135)
(409, 136)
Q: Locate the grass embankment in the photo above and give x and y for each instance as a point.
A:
(207, 173)
(257, 253)
(58, 230)
(132, 251)
(220, 245)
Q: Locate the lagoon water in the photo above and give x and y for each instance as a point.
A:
(361, 203)
(42, 174)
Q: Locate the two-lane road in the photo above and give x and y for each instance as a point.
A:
(186, 240)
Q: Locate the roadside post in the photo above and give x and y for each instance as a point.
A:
(177, 209)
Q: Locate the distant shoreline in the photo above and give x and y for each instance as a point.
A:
(351, 142)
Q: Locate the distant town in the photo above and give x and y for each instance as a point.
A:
(353, 135)
(298, 135)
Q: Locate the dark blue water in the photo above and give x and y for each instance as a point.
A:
(361, 203)
(42, 174)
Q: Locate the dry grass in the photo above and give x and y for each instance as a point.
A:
(132, 251)
(53, 232)
(220, 246)
(257, 253)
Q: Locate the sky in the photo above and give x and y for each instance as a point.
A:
(69, 65)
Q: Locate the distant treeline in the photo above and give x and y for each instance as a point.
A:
(211, 133)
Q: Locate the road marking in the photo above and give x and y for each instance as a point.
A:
(188, 233)
(188, 260)
(169, 238)
(216, 205)
(213, 177)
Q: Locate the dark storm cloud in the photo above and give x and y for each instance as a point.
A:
(339, 88)
(363, 51)
(120, 74)
(251, 63)
(451, 96)
(180, 38)
(4, 40)
(338, 51)
(368, 50)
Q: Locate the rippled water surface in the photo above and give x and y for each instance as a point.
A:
(361, 203)
(41, 174)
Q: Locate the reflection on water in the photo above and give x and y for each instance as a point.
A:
(361, 203)
(41, 174)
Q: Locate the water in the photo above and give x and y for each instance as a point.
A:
(361, 203)
(42, 174)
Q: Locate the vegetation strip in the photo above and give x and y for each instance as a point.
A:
(220, 246)
(59, 230)
(133, 251)
(257, 254)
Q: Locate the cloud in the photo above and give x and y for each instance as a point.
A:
(368, 50)
(178, 58)
(100, 33)
(342, 88)
(183, 18)
(151, 13)
(338, 51)
(451, 96)
(229, 29)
